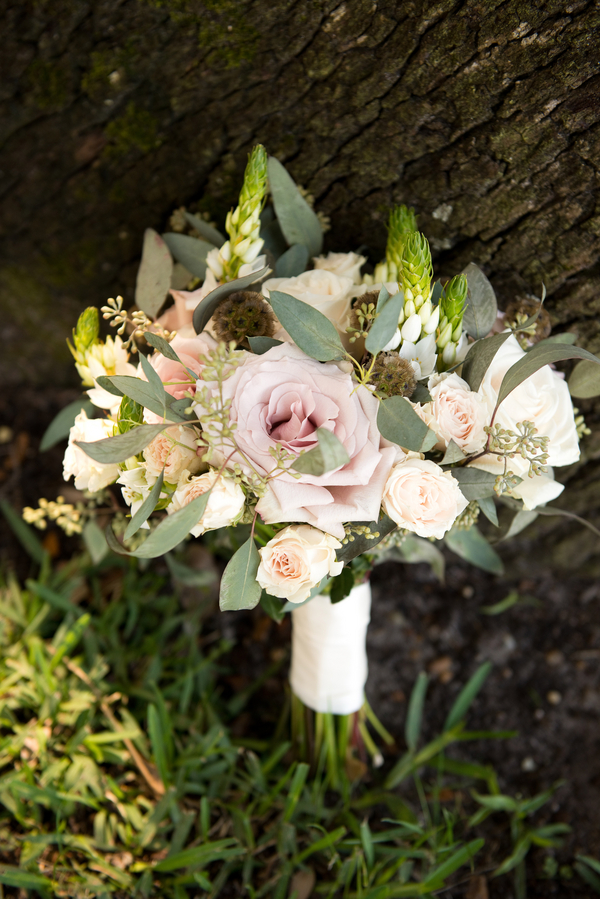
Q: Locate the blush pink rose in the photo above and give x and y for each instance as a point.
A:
(282, 397)
(422, 498)
(176, 380)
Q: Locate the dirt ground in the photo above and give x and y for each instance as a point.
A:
(545, 652)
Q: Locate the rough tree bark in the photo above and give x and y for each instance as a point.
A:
(482, 114)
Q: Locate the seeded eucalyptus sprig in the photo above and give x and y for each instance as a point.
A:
(243, 223)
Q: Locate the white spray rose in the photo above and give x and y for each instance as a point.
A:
(176, 450)
(135, 488)
(296, 560)
(423, 498)
(89, 474)
(225, 503)
(543, 398)
(345, 265)
(329, 293)
(456, 413)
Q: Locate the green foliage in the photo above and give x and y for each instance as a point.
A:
(119, 772)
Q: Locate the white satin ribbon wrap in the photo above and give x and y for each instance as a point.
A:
(329, 652)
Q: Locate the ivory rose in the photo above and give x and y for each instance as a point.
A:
(423, 498)
(456, 413)
(282, 397)
(296, 560)
(225, 503)
(345, 265)
(176, 380)
(329, 293)
(176, 450)
(89, 474)
(543, 398)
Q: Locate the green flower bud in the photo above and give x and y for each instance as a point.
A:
(243, 223)
(402, 222)
(454, 298)
(87, 330)
(417, 269)
(445, 336)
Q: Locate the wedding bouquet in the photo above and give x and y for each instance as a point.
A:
(332, 414)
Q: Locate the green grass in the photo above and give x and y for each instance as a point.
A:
(119, 774)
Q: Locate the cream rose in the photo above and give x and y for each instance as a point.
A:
(345, 265)
(89, 474)
(543, 398)
(329, 293)
(225, 503)
(175, 379)
(423, 498)
(456, 413)
(176, 450)
(296, 560)
(280, 399)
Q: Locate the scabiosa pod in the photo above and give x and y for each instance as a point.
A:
(243, 223)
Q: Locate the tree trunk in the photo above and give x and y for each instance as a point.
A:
(481, 115)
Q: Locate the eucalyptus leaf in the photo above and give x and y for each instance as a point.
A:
(327, 456)
(522, 520)
(204, 229)
(453, 454)
(386, 322)
(95, 541)
(190, 251)
(239, 587)
(472, 546)
(154, 380)
(488, 507)
(154, 274)
(564, 337)
(273, 606)
(181, 277)
(474, 482)
(437, 293)
(309, 329)
(164, 347)
(341, 585)
(293, 262)
(362, 544)
(541, 354)
(122, 446)
(585, 380)
(275, 243)
(169, 533)
(104, 381)
(416, 549)
(207, 307)
(146, 509)
(481, 307)
(398, 422)
(61, 425)
(143, 393)
(299, 223)
(480, 357)
(420, 394)
(261, 345)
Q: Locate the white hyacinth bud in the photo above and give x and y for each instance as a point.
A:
(254, 250)
(449, 353)
(411, 329)
(380, 275)
(409, 307)
(425, 312)
(431, 324)
(393, 343)
(445, 336)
